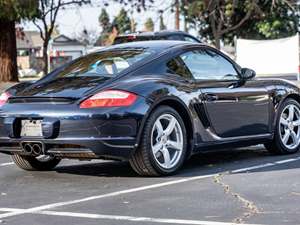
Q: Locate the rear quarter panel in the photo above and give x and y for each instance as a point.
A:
(279, 90)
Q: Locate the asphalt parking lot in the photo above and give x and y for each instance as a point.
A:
(236, 186)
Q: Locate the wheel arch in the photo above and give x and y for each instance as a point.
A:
(293, 95)
(182, 110)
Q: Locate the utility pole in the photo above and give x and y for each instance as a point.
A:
(132, 25)
(177, 15)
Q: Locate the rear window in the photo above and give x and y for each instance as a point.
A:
(103, 64)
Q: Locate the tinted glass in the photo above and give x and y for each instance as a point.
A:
(108, 63)
(209, 65)
(176, 67)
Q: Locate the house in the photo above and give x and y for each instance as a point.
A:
(29, 51)
(64, 49)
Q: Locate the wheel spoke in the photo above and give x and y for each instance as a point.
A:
(159, 128)
(167, 158)
(157, 147)
(291, 112)
(286, 136)
(171, 126)
(283, 121)
(175, 145)
(294, 137)
(296, 123)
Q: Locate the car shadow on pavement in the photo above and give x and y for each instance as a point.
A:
(200, 164)
(101, 169)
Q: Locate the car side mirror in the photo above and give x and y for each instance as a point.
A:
(247, 74)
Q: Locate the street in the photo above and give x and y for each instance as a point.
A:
(246, 185)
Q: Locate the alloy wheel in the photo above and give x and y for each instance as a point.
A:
(289, 126)
(167, 141)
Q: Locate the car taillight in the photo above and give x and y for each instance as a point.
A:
(110, 98)
(3, 98)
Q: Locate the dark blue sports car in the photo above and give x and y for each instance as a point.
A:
(153, 103)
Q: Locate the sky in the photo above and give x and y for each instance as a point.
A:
(71, 21)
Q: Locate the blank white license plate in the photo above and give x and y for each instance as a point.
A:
(31, 128)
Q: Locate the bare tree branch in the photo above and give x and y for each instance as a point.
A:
(49, 10)
(40, 29)
(242, 21)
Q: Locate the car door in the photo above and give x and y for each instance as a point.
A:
(234, 107)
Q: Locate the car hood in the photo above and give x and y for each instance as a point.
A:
(68, 87)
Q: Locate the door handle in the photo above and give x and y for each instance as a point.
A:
(211, 97)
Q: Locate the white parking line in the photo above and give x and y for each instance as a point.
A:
(123, 218)
(6, 164)
(266, 165)
(112, 194)
(138, 189)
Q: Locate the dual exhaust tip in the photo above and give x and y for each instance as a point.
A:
(33, 148)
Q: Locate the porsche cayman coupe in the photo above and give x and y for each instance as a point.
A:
(153, 103)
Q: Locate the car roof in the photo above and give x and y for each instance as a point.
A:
(152, 45)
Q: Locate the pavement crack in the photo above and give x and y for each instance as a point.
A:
(251, 208)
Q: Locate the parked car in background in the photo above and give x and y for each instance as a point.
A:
(154, 103)
(160, 35)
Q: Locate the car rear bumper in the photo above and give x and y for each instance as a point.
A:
(115, 148)
(69, 131)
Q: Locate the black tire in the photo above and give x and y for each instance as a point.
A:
(30, 163)
(143, 161)
(276, 146)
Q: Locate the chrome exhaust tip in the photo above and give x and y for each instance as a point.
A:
(37, 149)
(28, 148)
(33, 148)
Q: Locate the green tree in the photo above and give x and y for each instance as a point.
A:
(215, 19)
(104, 21)
(12, 11)
(278, 19)
(106, 26)
(122, 22)
(256, 19)
(149, 25)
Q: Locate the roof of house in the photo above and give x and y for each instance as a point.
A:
(29, 39)
(63, 40)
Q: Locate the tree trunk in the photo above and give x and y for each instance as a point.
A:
(8, 52)
(177, 15)
(217, 41)
(45, 59)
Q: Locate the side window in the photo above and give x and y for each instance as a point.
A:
(208, 65)
(174, 66)
(190, 39)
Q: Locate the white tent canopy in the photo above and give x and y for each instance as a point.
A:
(270, 57)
